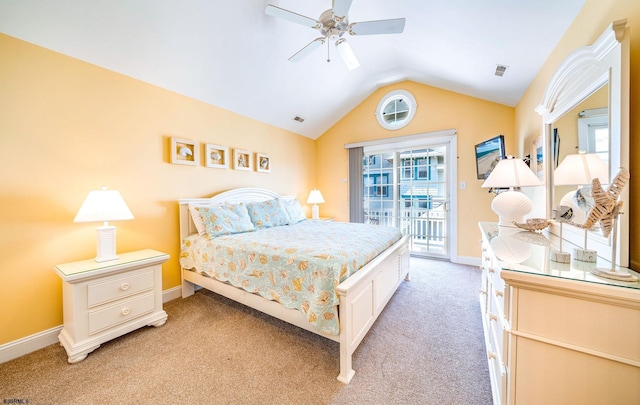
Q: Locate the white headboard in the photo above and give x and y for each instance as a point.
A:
(237, 195)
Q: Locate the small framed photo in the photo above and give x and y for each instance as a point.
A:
(216, 156)
(263, 163)
(241, 159)
(537, 158)
(184, 152)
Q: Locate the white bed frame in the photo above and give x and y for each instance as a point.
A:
(363, 296)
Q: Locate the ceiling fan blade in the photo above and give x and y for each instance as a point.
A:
(347, 55)
(341, 8)
(291, 16)
(302, 53)
(393, 26)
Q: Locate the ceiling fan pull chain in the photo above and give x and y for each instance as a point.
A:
(328, 58)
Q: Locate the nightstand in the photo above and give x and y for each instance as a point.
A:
(102, 301)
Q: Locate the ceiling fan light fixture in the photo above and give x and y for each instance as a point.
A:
(347, 55)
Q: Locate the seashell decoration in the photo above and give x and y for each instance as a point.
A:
(533, 224)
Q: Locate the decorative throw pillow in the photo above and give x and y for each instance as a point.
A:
(224, 219)
(268, 213)
(294, 210)
(197, 221)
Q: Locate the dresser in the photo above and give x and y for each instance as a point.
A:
(102, 301)
(554, 332)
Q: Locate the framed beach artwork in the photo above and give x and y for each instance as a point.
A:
(241, 159)
(488, 154)
(537, 158)
(263, 163)
(184, 152)
(216, 156)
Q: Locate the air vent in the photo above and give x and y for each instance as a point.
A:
(500, 70)
(298, 118)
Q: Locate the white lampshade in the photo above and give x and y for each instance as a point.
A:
(580, 169)
(315, 198)
(511, 206)
(103, 206)
(511, 172)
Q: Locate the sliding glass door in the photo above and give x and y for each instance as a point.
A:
(409, 188)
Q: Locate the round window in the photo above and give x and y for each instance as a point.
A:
(396, 109)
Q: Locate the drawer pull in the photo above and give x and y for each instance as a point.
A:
(492, 355)
(493, 317)
(491, 270)
(124, 286)
(499, 293)
(486, 259)
(125, 311)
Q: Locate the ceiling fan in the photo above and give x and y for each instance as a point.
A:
(333, 24)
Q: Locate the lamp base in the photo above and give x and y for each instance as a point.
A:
(106, 244)
(511, 206)
(613, 275)
(315, 212)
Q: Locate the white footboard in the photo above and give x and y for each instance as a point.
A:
(364, 295)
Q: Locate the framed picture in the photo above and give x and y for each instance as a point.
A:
(216, 156)
(488, 154)
(241, 159)
(263, 163)
(184, 152)
(537, 158)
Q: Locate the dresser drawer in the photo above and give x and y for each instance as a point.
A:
(117, 287)
(120, 312)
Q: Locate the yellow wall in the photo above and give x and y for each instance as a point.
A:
(67, 127)
(595, 16)
(476, 120)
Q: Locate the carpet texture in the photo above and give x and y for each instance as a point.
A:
(427, 347)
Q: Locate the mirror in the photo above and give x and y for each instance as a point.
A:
(589, 95)
(584, 128)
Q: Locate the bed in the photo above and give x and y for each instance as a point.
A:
(342, 310)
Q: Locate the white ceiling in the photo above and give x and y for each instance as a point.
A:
(232, 55)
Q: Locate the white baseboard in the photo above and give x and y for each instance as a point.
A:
(26, 345)
(172, 294)
(469, 261)
(37, 341)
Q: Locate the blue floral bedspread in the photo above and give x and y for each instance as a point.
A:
(297, 265)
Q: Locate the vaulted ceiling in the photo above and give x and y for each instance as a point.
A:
(233, 55)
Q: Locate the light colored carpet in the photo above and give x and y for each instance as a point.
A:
(427, 347)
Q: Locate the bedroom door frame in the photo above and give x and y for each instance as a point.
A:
(448, 138)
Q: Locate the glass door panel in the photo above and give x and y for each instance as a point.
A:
(408, 189)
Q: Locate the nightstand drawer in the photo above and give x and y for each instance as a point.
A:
(119, 312)
(118, 287)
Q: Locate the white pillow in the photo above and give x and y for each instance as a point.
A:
(294, 210)
(197, 221)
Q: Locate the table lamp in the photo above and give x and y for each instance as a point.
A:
(104, 206)
(579, 170)
(511, 206)
(315, 198)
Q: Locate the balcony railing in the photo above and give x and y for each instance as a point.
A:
(427, 227)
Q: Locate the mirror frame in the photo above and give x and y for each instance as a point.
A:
(582, 73)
